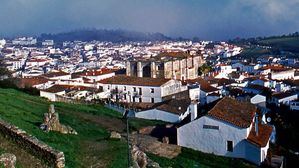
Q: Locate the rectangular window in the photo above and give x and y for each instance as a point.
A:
(134, 89)
(140, 100)
(211, 127)
(125, 88)
(152, 90)
(152, 100)
(229, 146)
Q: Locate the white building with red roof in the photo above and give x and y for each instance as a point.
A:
(140, 89)
(230, 129)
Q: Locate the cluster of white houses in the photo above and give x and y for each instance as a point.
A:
(235, 127)
(230, 129)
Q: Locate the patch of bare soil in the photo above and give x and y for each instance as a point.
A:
(91, 155)
(24, 158)
(111, 124)
(151, 144)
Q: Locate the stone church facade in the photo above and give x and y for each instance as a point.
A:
(174, 65)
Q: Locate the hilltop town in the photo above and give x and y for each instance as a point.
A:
(205, 95)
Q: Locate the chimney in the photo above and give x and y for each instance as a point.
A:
(256, 122)
(193, 110)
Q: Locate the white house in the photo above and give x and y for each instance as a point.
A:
(208, 93)
(140, 89)
(52, 92)
(281, 75)
(283, 98)
(60, 75)
(95, 74)
(277, 72)
(245, 67)
(172, 111)
(231, 129)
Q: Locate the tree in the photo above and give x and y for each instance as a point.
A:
(204, 69)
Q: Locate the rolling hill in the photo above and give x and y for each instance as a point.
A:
(105, 35)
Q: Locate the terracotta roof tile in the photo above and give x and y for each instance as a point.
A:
(55, 74)
(234, 112)
(136, 81)
(261, 139)
(175, 106)
(204, 85)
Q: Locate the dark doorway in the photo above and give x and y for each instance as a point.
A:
(146, 71)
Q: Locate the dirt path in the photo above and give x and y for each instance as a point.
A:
(150, 144)
(24, 159)
(111, 124)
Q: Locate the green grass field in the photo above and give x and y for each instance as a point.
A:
(192, 158)
(283, 43)
(254, 52)
(90, 147)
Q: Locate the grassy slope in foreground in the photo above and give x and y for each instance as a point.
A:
(91, 147)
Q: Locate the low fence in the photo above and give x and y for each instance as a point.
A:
(41, 150)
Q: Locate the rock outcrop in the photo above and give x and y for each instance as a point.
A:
(115, 135)
(8, 160)
(51, 123)
(141, 160)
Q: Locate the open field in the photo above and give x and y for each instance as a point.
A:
(254, 52)
(287, 43)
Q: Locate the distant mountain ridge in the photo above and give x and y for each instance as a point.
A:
(105, 35)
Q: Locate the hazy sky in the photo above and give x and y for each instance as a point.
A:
(207, 19)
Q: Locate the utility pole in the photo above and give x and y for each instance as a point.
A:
(128, 143)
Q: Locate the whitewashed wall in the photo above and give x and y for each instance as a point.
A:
(155, 114)
(50, 96)
(192, 135)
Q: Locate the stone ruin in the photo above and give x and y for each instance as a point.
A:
(8, 160)
(51, 123)
(141, 160)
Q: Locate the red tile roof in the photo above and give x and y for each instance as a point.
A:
(136, 81)
(60, 88)
(55, 89)
(275, 68)
(234, 112)
(93, 72)
(204, 85)
(261, 139)
(55, 74)
(175, 106)
(29, 82)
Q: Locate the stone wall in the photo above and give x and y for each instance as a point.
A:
(53, 157)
